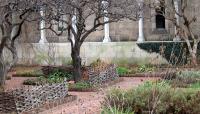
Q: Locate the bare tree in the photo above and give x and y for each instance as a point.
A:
(183, 15)
(78, 12)
(13, 14)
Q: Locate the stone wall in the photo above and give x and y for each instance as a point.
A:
(60, 53)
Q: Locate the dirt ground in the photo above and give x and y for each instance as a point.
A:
(90, 102)
(87, 102)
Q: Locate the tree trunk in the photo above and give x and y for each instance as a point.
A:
(76, 59)
(194, 59)
(193, 53)
(3, 73)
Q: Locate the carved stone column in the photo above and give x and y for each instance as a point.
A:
(42, 27)
(106, 26)
(176, 5)
(141, 23)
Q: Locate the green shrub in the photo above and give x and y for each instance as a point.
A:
(122, 70)
(158, 98)
(145, 68)
(186, 79)
(195, 85)
(189, 76)
(119, 99)
(114, 110)
(79, 86)
(174, 52)
(30, 82)
(57, 76)
(60, 74)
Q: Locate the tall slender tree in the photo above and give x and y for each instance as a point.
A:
(13, 15)
(78, 12)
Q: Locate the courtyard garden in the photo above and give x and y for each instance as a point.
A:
(54, 59)
(136, 88)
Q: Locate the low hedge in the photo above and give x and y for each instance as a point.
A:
(157, 98)
(174, 52)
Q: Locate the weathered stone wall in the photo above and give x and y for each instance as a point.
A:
(60, 53)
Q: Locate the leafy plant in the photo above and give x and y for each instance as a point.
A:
(122, 70)
(186, 79)
(189, 76)
(30, 82)
(195, 85)
(156, 98)
(114, 110)
(145, 68)
(178, 49)
(56, 76)
(58, 73)
(80, 86)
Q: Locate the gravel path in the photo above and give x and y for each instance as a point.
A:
(90, 102)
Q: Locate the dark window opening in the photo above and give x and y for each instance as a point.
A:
(61, 24)
(160, 19)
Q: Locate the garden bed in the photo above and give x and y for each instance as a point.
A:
(178, 93)
(150, 74)
(157, 98)
(90, 88)
(28, 98)
(28, 71)
(52, 104)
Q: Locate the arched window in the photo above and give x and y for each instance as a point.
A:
(160, 19)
